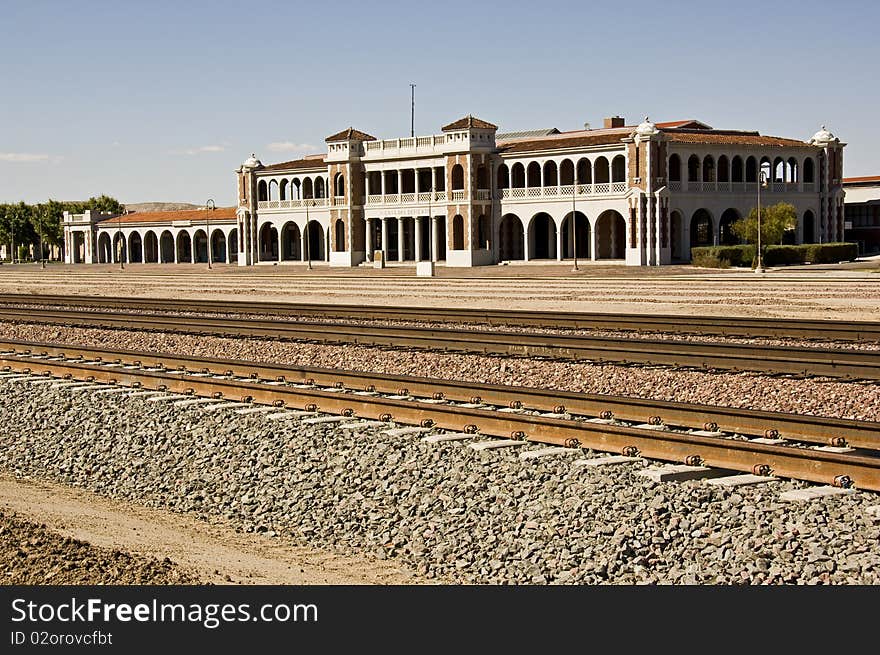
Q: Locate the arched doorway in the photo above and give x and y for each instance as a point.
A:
(510, 238)
(200, 246)
(701, 229)
(315, 241)
(120, 251)
(166, 248)
(104, 249)
(268, 243)
(232, 244)
(184, 248)
(457, 232)
(291, 242)
(726, 236)
(542, 237)
(581, 236)
(151, 248)
(218, 246)
(135, 248)
(809, 226)
(610, 235)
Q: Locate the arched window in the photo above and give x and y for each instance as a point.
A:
(457, 178)
(550, 174)
(618, 169)
(723, 169)
(518, 176)
(282, 189)
(457, 232)
(320, 190)
(566, 172)
(533, 175)
(693, 168)
(792, 172)
(339, 183)
(674, 168)
(766, 169)
(809, 170)
(751, 170)
(482, 177)
(737, 169)
(779, 170)
(503, 177)
(584, 172)
(339, 229)
(708, 169)
(273, 190)
(262, 193)
(600, 170)
(307, 188)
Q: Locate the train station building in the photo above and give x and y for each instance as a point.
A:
(470, 196)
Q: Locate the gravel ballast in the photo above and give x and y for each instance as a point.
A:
(815, 396)
(451, 513)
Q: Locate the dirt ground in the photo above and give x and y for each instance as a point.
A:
(210, 553)
(844, 292)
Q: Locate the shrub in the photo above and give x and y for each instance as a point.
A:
(784, 255)
(830, 253)
(730, 255)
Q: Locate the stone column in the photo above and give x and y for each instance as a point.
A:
(385, 237)
(525, 243)
(435, 246)
(559, 241)
(302, 246)
(369, 223)
(418, 237)
(399, 181)
(399, 237)
(280, 253)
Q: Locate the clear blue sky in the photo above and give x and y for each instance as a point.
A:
(161, 101)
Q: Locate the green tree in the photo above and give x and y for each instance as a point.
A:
(104, 203)
(775, 220)
(15, 225)
(46, 219)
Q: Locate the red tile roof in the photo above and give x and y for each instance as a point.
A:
(350, 134)
(730, 137)
(469, 121)
(566, 140)
(690, 122)
(311, 162)
(197, 215)
(864, 178)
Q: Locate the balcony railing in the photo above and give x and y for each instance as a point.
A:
(739, 187)
(483, 194)
(293, 204)
(422, 198)
(601, 188)
(459, 195)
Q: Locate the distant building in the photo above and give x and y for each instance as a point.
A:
(631, 194)
(862, 212)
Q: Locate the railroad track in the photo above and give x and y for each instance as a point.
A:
(841, 363)
(438, 404)
(705, 325)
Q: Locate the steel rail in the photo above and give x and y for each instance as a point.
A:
(813, 429)
(854, 364)
(711, 325)
(841, 469)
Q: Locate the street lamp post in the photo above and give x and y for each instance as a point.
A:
(209, 207)
(574, 245)
(762, 177)
(121, 243)
(308, 234)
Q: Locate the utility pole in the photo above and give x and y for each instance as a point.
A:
(412, 111)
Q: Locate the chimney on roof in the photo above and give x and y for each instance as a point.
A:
(614, 121)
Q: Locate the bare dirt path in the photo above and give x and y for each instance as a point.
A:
(215, 553)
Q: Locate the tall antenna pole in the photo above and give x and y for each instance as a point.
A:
(412, 113)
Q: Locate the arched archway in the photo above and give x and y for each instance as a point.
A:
(723, 169)
(584, 171)
(291, 242)
(120, 248)
(268, 243)
(809, 171)
(457, 232)
(200, 247)
(580, 238)
(518, 176)
(315, 241)
(618, 169)
(232, 244)
(736, 169)
(674, 168)
(339, 185)
(151, 247)
(503, 177)
(533, 175)
(218, 246)
(610, 235)
(339, 235)
(601, 171)
(458, 178)
(566, 172)
(273, 190)
(708, 168)
(105, 250)
(693, 168)
(135, 248)
(551, 177)
(542, 236)
(320, 190)
(166, 247)
(262, 191)
(701, 229)
(282, 190)
(184, 247)
(751, 170)
(726, 237)
(809, 226)
(510, 238)
(307, 189)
